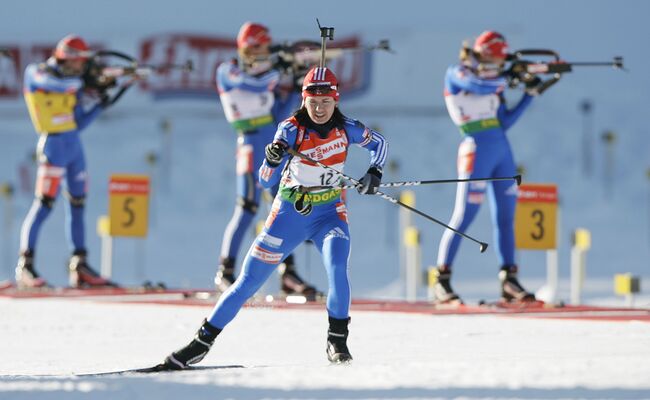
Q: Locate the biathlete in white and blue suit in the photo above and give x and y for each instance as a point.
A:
(474, 98)
(321, 132)
(254, 102)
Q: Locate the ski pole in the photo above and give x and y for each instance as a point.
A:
(483, 245)
(516, 178)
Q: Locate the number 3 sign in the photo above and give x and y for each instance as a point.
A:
(128, 207)
(536, 217)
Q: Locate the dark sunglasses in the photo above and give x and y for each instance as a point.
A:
(319, 89)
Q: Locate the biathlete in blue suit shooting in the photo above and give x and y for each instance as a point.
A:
(60, 106)
(474, 98)
(321, 132)
(254, 102)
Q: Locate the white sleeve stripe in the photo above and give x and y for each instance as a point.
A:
(384, 151)
(381, 148)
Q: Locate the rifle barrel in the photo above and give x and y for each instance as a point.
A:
(595, 64)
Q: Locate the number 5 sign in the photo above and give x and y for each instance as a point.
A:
(128, 205)
(536, 216)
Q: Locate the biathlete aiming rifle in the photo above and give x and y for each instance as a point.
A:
(523, 70)
(296, 58)
(106, 67)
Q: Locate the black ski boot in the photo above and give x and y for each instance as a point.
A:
(26, 275)
(194, 351)
(225, 275)
(337, 336)
(442, 290)
(82, 275)
(511, 289)
(292, 283)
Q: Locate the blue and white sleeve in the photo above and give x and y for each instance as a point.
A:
(459, 79)
(37, 79)
(230, 76)
(508, 117)
(286, 134)
(369, 139)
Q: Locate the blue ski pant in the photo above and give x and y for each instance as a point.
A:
(60, 160)
(285, 229)
(483, 156)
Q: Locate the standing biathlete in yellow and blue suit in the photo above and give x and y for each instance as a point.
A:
(254, 103)
(60, 109)
(322, 133)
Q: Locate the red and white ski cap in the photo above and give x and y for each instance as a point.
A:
(72, 47)
(320, 82)
(253, 34)
(491, 44)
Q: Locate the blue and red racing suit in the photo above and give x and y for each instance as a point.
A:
(253, 106)
(285, 228)
(478, 108)
(59, 111)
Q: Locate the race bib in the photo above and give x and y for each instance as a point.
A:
(52, 112)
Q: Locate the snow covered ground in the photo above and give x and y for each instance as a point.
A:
(43, 343)
(193, 202)
(396, 355)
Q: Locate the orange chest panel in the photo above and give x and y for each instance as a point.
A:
(331, 150)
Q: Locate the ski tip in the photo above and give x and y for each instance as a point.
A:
(162, 367)
(517, 179)
(483, 247)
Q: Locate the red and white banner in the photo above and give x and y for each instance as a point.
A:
(205, 52)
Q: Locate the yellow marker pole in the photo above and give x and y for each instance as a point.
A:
(7, 192)
(432, 279)
(405, 221)
(412, 246)
(536, 226)
(627, 285)
(104, 232)
(581, 243)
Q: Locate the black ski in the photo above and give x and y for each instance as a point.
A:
(158, 368)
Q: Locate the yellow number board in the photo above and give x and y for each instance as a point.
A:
(128, 205)
(536, 217)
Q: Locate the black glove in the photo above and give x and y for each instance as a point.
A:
(532, 85)
(280, 61)
(370, 181)
(105, 99)
(274, 153)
